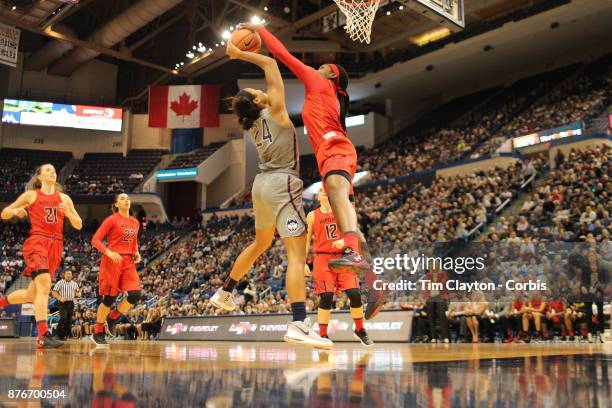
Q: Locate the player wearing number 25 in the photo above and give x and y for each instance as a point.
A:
(46, 207)
(118, 266)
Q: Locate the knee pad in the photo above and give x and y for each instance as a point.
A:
(354, 296)
(326, 300)
(108, 300)
(134, 296)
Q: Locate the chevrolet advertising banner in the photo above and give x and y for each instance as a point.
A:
(390, 326)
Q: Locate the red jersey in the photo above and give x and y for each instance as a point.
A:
(517, 305)
(557, 306)
(535, 304)
(325, 231)
(120, 232)
(45, 217)
(321, 110)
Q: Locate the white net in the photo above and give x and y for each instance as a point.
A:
(359, 18)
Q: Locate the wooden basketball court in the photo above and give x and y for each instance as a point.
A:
(216, 374)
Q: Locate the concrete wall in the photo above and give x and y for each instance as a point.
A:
(221, 185)
(469, 168)
(93, 83)
(144, 137)
(77, 141)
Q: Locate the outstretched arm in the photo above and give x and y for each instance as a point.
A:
(301, 70)
(274, 80)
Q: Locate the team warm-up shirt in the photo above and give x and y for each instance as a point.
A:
(45, 217)
(325, 232)
(121, 234)
(321, 110)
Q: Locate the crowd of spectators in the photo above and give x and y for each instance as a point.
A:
(560, 236)
(110, 173)
(577, 99)
(17, 166)
(470, 135)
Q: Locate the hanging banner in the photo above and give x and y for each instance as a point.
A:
(9, 45)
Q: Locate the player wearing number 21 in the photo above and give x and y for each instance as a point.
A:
(118, 266)
(46, 206)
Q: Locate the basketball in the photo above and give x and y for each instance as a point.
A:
(246, 40)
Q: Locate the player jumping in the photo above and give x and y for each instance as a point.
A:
(327, 245)
(324, 114)
(118, 266)
(46, 206)
(276, 192)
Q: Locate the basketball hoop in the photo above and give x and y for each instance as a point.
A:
(359, 17)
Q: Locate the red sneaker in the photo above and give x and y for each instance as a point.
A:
(350, 261)
(47, 342)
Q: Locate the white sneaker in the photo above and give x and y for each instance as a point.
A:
(302, 333)
(223, 300)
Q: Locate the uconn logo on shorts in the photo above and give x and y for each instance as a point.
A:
(292, 225)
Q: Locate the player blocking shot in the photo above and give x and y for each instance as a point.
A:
(117, 268)
(276, 192)
(47, 207)
(327, 245)
(324, 113)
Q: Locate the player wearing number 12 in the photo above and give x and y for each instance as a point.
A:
(328, 243)
(46, 207)
(118, 266)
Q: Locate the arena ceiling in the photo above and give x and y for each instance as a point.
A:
(148, 38)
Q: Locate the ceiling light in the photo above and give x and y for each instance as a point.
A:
(255, 20)
(190, 55)
(226, 34)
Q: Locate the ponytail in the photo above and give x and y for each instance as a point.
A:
(341, 81)
(246, 110)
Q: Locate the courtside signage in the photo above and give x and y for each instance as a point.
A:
(173, 174)
(573, 129)
(20, 112)
(8, 328)
(386, 326)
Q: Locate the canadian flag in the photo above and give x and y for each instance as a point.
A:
(184, 106)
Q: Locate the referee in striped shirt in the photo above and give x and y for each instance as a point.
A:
(65, 291)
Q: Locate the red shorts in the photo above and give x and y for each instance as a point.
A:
(327, 281)
(41, 252)
(118, 277)
(340, 156)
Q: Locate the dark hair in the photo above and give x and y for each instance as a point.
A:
(244, 107)
(36, 183)
(342, 94)
(114, 207)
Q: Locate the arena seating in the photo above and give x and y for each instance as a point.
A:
(17, 166)
(577, 99)
(195, 157)
(108, 173)
(422, 147)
